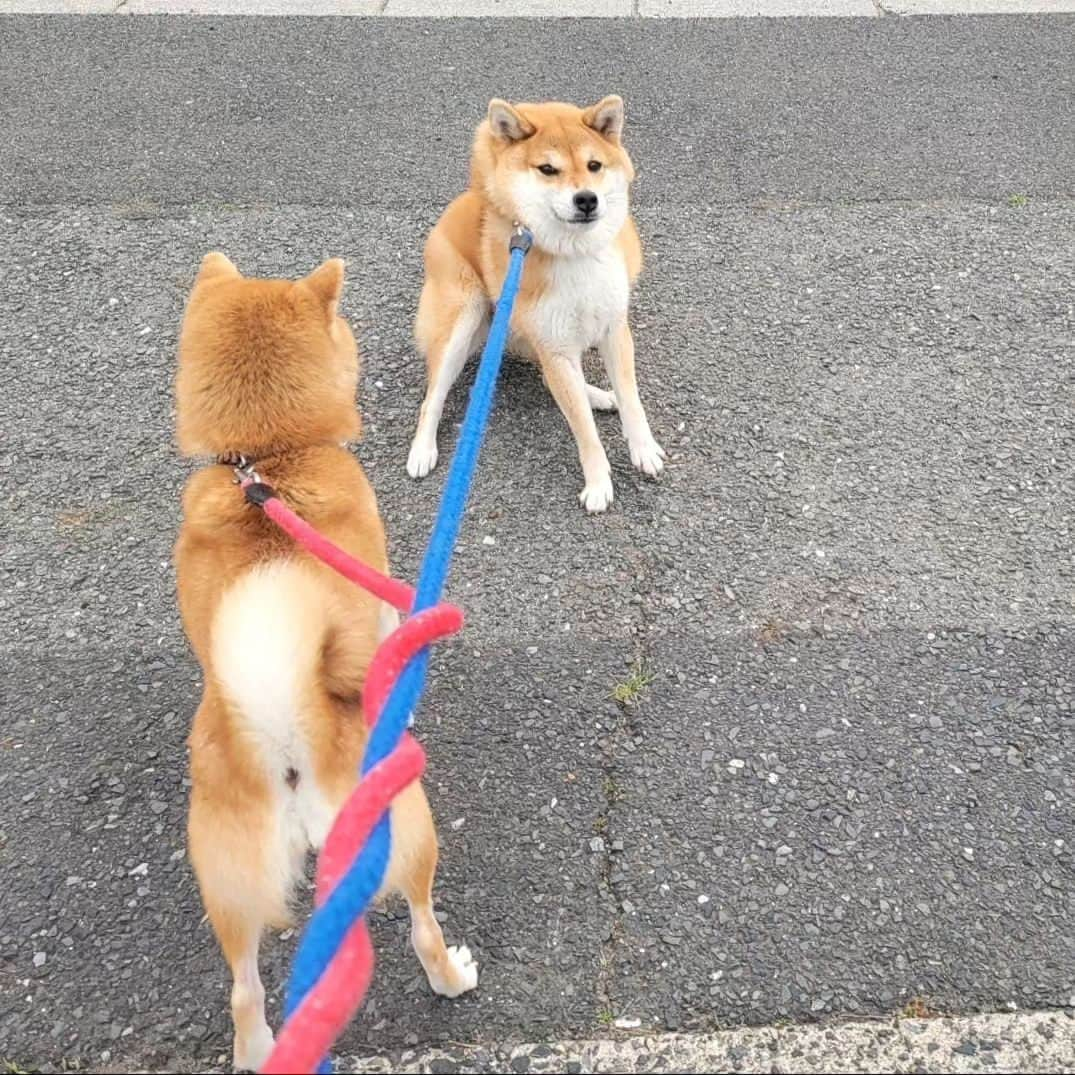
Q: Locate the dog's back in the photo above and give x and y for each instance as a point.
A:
(268, 369)
(283, 641)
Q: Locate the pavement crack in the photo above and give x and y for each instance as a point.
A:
(606, 963)
(628, 702)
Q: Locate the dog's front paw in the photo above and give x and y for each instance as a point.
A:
(462, 972)
(648, 456)
(597, 495)
(423, 457)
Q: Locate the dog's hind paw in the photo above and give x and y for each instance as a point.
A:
(599, 399)
(251, 1052)
(461, 975)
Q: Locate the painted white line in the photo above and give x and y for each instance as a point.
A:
(1033, 1042)
(666, 9)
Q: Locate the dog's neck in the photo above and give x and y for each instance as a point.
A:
(248, 459)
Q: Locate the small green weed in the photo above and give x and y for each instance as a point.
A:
(630, 690)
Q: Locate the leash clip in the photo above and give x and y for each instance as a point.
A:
(521, 239)
(245, 474)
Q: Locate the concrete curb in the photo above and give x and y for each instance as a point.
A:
(1025, 1042)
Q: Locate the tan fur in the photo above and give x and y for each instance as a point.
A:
(268, 369)
(466, 259)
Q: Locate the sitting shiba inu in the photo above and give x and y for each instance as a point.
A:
(268, 370)
(561, 172)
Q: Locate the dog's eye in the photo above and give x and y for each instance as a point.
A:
(594, 166)
(548, 169)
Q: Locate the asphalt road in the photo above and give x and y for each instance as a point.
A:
(847, 788)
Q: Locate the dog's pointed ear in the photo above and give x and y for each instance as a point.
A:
(606, 117)
(326, 282)
(507, 123)
(215, 264)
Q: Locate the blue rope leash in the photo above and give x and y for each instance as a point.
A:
(329, 924)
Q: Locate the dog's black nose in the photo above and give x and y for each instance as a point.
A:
(586, 202)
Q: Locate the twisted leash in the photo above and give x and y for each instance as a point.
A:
(334, 962)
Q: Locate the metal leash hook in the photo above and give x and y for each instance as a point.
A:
(244, 471)
(334, 962)
(521, 239)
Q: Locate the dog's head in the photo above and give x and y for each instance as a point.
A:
(560, 170)
(264, 365)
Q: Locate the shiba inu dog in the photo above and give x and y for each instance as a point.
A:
(268, 370)
(564, 174)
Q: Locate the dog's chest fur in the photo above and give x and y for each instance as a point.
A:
(583, 298)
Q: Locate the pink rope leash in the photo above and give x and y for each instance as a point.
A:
(396, 593)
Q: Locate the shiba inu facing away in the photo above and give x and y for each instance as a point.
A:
(268, 370)
(562, 172)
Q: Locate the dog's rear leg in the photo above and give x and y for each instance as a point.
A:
(243, 890)
(447, 329)
(450, 971)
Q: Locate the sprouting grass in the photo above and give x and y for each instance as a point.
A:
(630, 690)
(1017, 201)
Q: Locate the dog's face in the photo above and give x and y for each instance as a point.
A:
(560, 170)
(264, 365)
